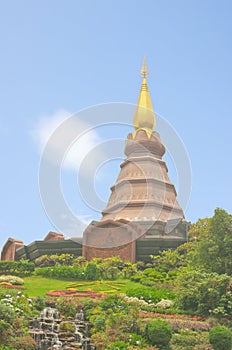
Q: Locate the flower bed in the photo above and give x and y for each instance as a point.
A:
(145, 314)
(10, 286)
(74, 293)
(178, 321)
(177, 325)
(115, 286)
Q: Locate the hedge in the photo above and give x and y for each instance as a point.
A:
(17, 268)
(61, 272)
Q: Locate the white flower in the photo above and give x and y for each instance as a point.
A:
(164, 303)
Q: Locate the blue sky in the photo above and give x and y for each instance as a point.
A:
(59, 57)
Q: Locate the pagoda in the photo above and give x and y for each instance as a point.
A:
(142, 215)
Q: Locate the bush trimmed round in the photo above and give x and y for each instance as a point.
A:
(15, 280)
(220, 337)
(159, 332)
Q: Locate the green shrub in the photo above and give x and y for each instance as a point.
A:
(220, 338)
(7, 313)
(67, 326)
(136, 278)
(203, 293)
(54, 259)
(17, 268)
(147, 282)
(137, 340)
(189, 340)
(68, 306)
(118, 345)
(23, 343)
(99, 322)
(91, 272)
(12, 279)
(159, 332)
(5, 331)
(16, 302)
(7, 317)
(60, 272)
(39, 303)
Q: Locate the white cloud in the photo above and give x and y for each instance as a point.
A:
(59, 130)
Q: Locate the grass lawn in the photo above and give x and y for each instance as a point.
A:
(36, 285)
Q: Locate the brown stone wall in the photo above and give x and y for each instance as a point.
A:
(126, 252)
(8, 250)
(54, 236)
(111, 238)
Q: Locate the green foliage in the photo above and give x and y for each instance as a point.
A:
(149, 282)
(137, 340)
(220, 338)
(189, 340)
(202, 293)
(5, 331)
(158, 332)
(168, 260)
(55, 260)
(99, 322)
(199, 229)
(22, 343)
(129, 269)
(68, 306)
(80, 269)
(7, 317)
(118, 345)
(66, 326)
(7, 313)
(15, 310)
(150, 294)
(210, 248)
(113, 317)
(136, 278)
(100, 340)
(80, 262)
(16, 268)
(214, 243)
(39, 303)
(91, 272)
(109, 268)
(17, 302)
(60, 272)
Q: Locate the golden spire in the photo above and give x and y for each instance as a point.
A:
(144, 117)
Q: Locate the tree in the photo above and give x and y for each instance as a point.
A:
(80, 262)
(91, 272)
(199, 229)
(220, 338)
(203, 292)
(159, 332)
(214, 247)
(129, 269)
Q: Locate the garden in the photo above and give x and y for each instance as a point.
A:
(180, 300)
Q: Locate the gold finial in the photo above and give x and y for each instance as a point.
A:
(144, 117)
(144, 71)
